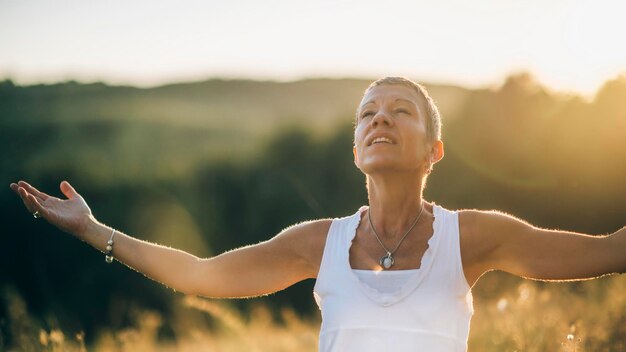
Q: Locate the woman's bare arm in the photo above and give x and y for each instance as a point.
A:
(291, 256)
(253, 270)
(498, 241)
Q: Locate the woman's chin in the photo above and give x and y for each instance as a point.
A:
(380, 165)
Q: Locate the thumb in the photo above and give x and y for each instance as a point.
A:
(68, 190)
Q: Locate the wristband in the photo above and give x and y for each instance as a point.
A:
(108, 255)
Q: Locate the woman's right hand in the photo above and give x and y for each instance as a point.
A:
(293, 255)
(70, 215)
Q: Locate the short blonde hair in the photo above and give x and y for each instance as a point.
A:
(433, 119)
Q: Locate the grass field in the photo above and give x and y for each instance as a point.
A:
(522, 316)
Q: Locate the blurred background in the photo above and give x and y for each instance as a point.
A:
(207, 126)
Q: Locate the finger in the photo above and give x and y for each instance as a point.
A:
(34, 190)
(24, 195)
(36, 206)
(25, 186)
(68, 190)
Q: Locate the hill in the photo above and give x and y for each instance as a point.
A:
(129, 130)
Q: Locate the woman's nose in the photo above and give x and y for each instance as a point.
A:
(381, 117)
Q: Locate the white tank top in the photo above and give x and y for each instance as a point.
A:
(430, 311)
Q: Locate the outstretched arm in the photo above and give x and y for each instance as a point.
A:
(254, 270)
(499, 241)
(291, 256)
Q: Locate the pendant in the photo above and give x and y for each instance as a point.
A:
(386, 261)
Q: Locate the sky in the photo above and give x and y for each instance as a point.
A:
(567, 45)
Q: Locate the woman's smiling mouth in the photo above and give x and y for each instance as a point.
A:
(381, 140)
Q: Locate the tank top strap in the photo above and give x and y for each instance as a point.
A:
(338, 240)
(450, 248)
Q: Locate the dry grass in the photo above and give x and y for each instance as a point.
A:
(588, 316)
(574, 317)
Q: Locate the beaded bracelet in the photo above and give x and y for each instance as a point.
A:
(108, 255)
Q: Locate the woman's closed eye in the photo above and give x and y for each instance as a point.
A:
(402, 111)
(367, 114)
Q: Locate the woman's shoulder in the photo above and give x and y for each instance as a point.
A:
(307, 240)
(309, 237)
(312, 228)
(311, 231)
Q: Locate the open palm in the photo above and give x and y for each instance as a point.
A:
(70, 215)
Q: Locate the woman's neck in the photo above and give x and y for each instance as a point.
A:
(395, 201)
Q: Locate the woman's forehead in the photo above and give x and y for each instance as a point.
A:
(385, 93)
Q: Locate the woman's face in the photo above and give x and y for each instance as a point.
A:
(390, 133)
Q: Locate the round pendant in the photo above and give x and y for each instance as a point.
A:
(386, 261)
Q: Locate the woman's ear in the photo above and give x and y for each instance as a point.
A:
(356, 157)
(436, 151)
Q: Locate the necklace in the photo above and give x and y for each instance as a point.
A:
(387, 261)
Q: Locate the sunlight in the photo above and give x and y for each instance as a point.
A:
(568, 45)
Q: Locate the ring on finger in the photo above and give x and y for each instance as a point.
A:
(36, 214)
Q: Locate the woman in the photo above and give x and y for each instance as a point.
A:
(395, 275)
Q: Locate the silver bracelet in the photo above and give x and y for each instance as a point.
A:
(108, 255)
